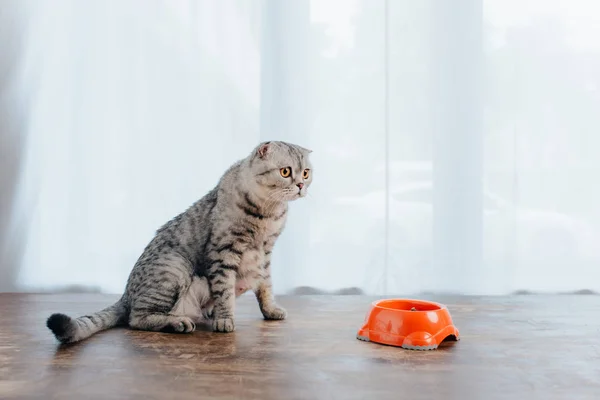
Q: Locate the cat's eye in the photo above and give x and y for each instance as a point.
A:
(306, 173)
(285, 172)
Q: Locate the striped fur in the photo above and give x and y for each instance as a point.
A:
(201, 260)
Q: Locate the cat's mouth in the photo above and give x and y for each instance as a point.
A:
(294, 196)
(291, 195)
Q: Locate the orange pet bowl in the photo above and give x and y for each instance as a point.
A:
(410, 324)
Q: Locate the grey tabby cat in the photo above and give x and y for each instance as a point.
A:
(219, 248)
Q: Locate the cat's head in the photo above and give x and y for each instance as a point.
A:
(281, 171)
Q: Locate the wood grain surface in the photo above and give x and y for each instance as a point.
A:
(522, 347)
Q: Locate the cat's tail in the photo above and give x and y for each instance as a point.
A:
(69, 330)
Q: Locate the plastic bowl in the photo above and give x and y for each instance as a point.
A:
(410, 324)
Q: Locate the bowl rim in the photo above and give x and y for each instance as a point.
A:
(441, 307)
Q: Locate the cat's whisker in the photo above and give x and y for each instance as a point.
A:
(275, 202)
(274, 198)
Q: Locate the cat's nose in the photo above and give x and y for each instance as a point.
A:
(300, 185)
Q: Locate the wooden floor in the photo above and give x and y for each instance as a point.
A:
(524, 347)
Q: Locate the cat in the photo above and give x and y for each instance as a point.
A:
(219, 248)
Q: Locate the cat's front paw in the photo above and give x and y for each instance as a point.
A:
(223, 325)
(274, 313)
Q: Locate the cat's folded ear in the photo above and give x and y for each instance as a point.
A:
(264, 150)
(305, 150)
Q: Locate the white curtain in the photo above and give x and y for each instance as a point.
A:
(455, 143)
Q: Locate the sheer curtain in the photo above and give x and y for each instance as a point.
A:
(140, 106)
(454, 144)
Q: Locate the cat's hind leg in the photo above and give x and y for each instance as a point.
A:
(156, 293)
(162, 323)
(195, 302)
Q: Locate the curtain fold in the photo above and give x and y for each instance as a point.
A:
(15, 95)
